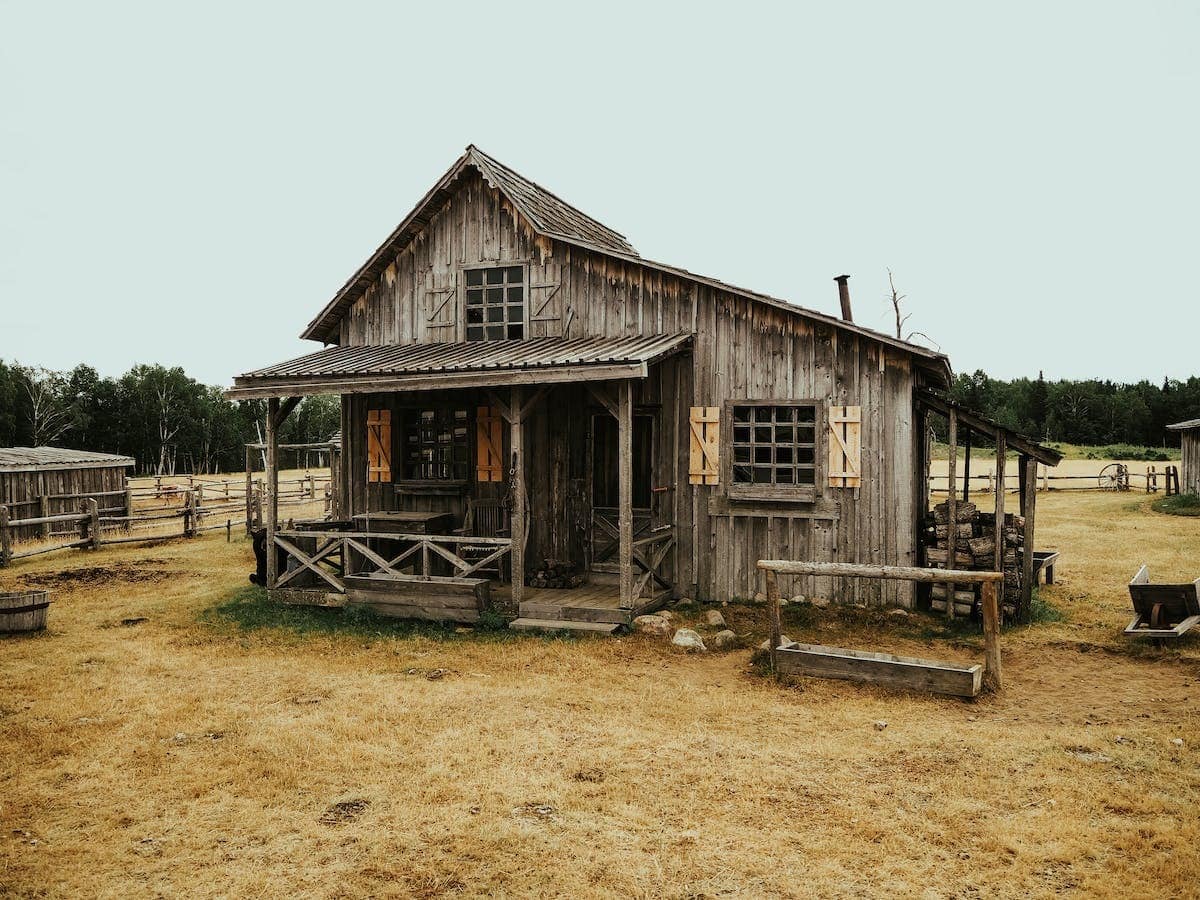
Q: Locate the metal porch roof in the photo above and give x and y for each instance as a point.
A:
(363, 369)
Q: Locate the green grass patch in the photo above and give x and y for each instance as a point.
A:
(249, 609)
(1178, 505)
(1043, 612)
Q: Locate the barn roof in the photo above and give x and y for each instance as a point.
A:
(981, 424)
(554, 218)
(372, 368)
(28, 459)
(1185, 426)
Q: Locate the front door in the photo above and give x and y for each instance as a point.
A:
(605, 523)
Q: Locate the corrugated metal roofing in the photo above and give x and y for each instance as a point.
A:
(1185, 426)
(26, 458)
(469, 356)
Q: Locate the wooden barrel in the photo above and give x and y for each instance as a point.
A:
(23, 611)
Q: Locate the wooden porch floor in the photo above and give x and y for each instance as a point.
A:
(587, 603)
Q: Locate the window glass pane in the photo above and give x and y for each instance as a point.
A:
(516, 313)
(516, 274)
(741, 474)
(762, 434)
(474, 276)
(784, 475)
(516, 332)
(495, 295)
(785, 414)
(784, 434)
(474, 333)
(806, 476)
(807, 413)
(784, 454)
(474, 297)
(741, 414)
(762, 454)
(495, 332)
(762, 414)
(741, 454)
(805, 455)
(741, 434)
(474, 316)
(762, 474)
(495, 313)
(516, 295)
(804, 435)
(495, 276)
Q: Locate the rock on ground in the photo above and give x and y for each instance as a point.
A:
(657, 625)
(724, 640)
(688, 639)
(819, 602)
(714, 618)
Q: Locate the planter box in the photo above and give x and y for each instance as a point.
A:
(438, 598)
(907, 672)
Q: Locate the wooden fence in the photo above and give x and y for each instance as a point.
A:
(1115, 477)
(157, 509)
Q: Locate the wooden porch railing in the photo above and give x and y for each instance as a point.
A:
(648, 555)
(329, 559)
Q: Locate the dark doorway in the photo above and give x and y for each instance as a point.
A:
(606, 486)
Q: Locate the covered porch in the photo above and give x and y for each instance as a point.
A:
(469, 468)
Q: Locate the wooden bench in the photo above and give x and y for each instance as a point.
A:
(1163, 610)
(438, 598)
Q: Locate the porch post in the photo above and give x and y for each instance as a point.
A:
(518, 525)
(272, 498)
(625, 489)
(952, 510)
(1029, 467)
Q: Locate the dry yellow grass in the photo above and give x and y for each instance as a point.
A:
(178, 757)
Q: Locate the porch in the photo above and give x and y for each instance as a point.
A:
(458, 485)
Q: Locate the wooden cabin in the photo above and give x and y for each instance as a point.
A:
(36, 482)
(526, 399)
(1189, 462)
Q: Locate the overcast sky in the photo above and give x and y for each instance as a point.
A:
(190, 183)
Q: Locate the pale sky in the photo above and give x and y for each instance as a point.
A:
(189, 184)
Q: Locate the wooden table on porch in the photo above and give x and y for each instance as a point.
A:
(402, 521)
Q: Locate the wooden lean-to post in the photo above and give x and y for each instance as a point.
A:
(519, 523)
(625, 489)
(966, 494)
(249, 490)
(1001, 450)
(992, 677)
(1030, 466)
(773, 606)
(272, 486)
(952, 511)
(43, 512)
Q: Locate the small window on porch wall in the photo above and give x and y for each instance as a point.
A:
(437, 444)
(773, 452)
(496, 303)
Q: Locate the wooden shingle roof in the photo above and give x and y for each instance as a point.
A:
(1184, 426)
(29, 459)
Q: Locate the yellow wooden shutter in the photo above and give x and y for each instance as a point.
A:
(489, 445)
(845, 446)
(379, 445)
(704, 461)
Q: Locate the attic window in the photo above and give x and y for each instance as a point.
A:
(496, 303)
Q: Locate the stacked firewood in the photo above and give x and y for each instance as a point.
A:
(975, 549)
(554, 574)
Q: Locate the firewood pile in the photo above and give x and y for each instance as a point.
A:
(553, 574)
(975, 549)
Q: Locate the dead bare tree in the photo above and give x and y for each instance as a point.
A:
(49, 417)
(902, 317)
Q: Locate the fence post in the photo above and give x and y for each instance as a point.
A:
(228, 530)
(43, 511)
(991, 636)
(199, 509)
(5, 538)
(312, 487)
(93, 512)
(187, 514)
(773, 607)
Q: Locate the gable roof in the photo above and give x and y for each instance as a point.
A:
(554, 218)
(1184, 426)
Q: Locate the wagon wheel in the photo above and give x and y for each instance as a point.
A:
(1112, 477)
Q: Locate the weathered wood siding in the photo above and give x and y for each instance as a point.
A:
(1189, 465)
(743, 350)
(21, 492)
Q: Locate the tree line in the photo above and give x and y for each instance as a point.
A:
(1090, 412)
(168, 422)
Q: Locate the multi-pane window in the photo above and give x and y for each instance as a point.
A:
(436, 444)
(775, 446)
(496, 303)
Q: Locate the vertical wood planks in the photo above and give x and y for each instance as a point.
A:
(952, 508)
(625, 491)
(519, 525)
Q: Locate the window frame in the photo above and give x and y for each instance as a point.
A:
(483, 266)
(796, 493)
(401, 445)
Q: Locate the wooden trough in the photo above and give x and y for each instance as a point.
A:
(22, 611)
(884, 668)
(908, 672)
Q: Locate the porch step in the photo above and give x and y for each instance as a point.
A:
(562, 612)
(563, 625)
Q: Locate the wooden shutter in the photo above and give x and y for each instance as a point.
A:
(379, 445)
(704, 461)
(489, 444)
(845, 446)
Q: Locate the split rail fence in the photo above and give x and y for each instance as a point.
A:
(154, 509)
(1113, 477)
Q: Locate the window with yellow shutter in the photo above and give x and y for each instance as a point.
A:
(489, 444)
(845, 446)
(704, 460)
(379, 445)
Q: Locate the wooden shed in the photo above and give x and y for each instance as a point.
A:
(1189, 464)
(529, 403)
(51, 481)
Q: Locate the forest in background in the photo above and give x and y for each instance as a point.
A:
(171, 423)
(168, 422)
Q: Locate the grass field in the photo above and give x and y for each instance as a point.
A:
(224, 748)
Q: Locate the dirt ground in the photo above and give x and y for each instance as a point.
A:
(188, 755)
